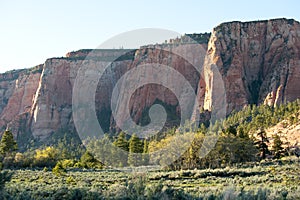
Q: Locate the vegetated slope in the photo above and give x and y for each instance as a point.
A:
(289, 132)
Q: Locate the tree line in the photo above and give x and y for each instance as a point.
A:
(241, 138)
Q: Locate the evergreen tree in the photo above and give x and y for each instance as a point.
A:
(69, 146)
(102, 150)
(202, 128)
(189, 160)
(120, 153)
(135, 150)
(277, 146)
(121, 141)
(231, 130)
(8, 143)
(241, 132)
(87, 160)
(145, 153)
(261, 143)
(259, 122)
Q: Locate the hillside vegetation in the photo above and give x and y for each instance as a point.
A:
(255, 157)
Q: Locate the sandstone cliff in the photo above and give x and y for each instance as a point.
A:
(253, 62)
(17, 91)
(258, 61)
(52, 105)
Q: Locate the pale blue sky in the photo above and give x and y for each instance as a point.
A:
(32, 31)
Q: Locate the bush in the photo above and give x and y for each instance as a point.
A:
(68, 163)
(70, 180)
(5, 176)
(58, 170)
(46, 157)
(88, 161)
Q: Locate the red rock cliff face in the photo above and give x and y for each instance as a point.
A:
(17, 91)
(259, 62)
(187, 59)
(52, 105)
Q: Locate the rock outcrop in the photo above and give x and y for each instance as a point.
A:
(52, 105)
(17, 91)
(258, 61)
(253, 62)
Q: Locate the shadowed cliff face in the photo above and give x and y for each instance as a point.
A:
(52, 105)
(258, 62)
(176, 57)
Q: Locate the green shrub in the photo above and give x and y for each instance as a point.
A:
(59, 170)
(68, 163)
(70, 180)
(45, 169)
(88, 161)
(5, 176)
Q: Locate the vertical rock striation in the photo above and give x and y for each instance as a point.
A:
(17, 91)
(248, 63)
(258, 61)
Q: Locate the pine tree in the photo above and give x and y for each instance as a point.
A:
(145, 153)
(202, 128)
(277, 146)
(135, 150)
(87, 160)
(8, 143)
(261, 143)
(121, 142)
(102, 150)
(231, 130)
(241, 132)
(259, 122)
(120, 154)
